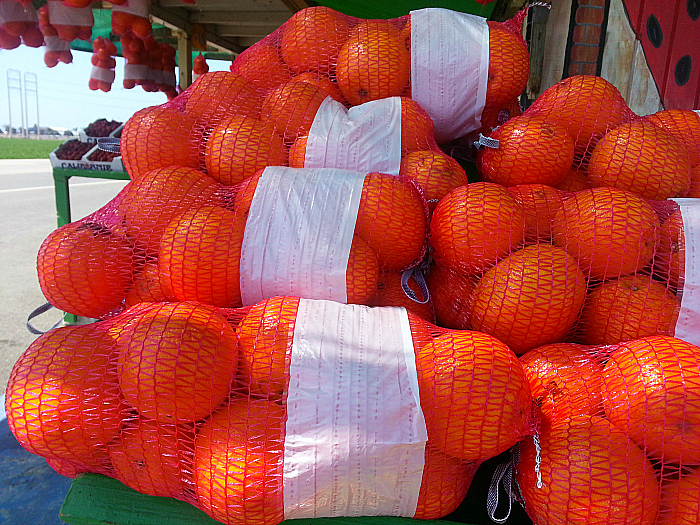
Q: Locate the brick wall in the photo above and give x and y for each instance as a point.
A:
(586, 41)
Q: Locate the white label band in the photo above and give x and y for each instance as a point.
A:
(134, 7)
(688, 325)
(449, 69)
(298, 234)
(60, 14)
(355, 433)
(364, 138)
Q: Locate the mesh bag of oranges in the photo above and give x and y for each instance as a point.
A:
(290, 408)
(176, 234)
(460, 68)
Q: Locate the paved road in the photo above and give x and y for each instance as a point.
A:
(27, 216)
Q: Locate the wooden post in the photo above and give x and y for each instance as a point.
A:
(184, 59)
(538, 15)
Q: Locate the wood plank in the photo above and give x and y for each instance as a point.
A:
(557, 35)
(625, 66)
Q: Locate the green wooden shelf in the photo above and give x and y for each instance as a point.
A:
(94, 499)
(61, 177)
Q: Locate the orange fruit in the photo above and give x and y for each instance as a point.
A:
(651, 386)
(392, 220)
(694, 189)
(417, 128)
(65, 468)
(509, 65)
(630, 307)
(262, 65)
(239, 453)
(62, 399)
(436, 173)
(610, 232)
(591, 473)
(312, 37)
(150, 203)
(240, 145)
(451, 293)
(474, 395)
(540, 204)
(587, 106)
(492, 117)
(200, 256)
(148, 287)
(642, 158)
(373, 63)
(680, 500)
(297, 152)
(159, 136)
(530, 298)
(322, 81)
(85, 268)
(684, 125)
(444, 484)
(292, 106)
(265, 336)
(219, 93)
(575, 180)
(362, 273)
(154, 458)
(565, 379)
(669, 259)
(391, 293)
(176, 361)
(531, 151)
(475, 225)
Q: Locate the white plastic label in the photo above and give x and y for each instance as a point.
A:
(449, 69)
(355, 433)
(298, 233)
(169, 78)
(12, 11)
(364, 138)
(135, 71)
(101, 73)
(134, 7)
(55, 43)
(688, 325)
(60, 14)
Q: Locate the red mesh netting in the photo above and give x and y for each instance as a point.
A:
(189, 401)
(311, 170)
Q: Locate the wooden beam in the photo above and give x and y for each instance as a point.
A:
(184, 59)
(247, 18)
(179, 18)
(295, 5)
(245, 31)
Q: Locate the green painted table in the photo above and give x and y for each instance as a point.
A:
(94, 499)
(62, 191)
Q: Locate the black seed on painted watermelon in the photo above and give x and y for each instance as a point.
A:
(654, 32)
(682, 72)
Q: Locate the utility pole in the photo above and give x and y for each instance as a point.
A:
(14, 83)
(31, 85)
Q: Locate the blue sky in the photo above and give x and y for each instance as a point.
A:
(64, 97)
